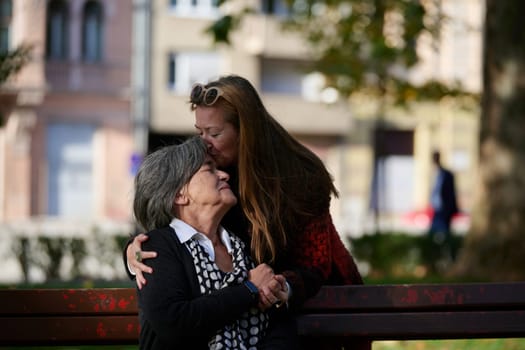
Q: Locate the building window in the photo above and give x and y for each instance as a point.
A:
(292, 78)
(57, 30)
(6, 12)
(92, 27)
(70, 149)
(195, 8)
(172, 71)
(4, 40)
(187, 68)
(393, 176)
(275, 7)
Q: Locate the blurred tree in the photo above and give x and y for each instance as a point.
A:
(495, 246)
(362, 46)
(366, 48)
(12, 61)
(369, 46)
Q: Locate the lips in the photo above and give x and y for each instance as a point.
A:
(212, 152)
(224, 187)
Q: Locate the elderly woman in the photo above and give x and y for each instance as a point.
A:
(205, 290)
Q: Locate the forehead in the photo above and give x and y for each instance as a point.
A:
(208, 161)
(209, 116)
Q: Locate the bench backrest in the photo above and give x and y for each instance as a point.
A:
(68, 316)
(430, 311)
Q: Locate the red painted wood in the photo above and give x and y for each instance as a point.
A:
(419, 296)
(68, 301)
(69, 330)
(415, 325)
(68, 316)
(424, 311)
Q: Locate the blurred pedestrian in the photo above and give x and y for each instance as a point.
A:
(444, 207)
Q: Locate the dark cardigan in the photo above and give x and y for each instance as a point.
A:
(173, 313)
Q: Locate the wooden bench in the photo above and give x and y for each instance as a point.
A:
(375, 312)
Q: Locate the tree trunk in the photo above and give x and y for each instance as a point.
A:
(494, 248)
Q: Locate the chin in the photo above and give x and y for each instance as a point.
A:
(233, 201)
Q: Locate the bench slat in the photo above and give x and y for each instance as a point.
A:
(333, 298)
(69, 330)
(419, 296)
(111, 301)
(421, 325)
(385, 326)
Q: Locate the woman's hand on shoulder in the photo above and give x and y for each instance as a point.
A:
(135, 257)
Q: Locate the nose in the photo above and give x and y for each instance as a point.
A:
(206, 141)
(224, 176)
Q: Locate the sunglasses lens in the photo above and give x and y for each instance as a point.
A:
(196, 93)
(211, 96)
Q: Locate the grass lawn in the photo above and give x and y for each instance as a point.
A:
(460, 344)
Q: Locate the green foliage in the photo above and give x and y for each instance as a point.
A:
(11, 62)
(20, 248)
(55, 248)
(78, 250)
(399, 257)
(363, 46)
(222, 28)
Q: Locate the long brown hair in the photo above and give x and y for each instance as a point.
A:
(281, 182)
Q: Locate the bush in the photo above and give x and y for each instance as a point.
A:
(97, 256)
(398, 255)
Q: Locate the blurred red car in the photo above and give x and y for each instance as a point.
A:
(420, 219)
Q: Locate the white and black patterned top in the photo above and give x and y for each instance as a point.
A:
(245, 332)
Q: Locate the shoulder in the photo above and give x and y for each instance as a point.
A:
(161, 236)
(165, 242)
(321, 221)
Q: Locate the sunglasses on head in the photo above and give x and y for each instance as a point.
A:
(206, 96)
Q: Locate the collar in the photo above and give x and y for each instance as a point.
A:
(185, 232)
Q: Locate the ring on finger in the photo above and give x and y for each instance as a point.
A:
(138, 256)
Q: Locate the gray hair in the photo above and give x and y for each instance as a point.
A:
(161, 176)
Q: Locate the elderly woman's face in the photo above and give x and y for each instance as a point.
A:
(209, 187)
(221, 137)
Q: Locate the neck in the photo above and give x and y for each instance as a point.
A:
(206, 223)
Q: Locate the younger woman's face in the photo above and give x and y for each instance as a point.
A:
(221, 137)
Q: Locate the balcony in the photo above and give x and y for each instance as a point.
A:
(171, 114)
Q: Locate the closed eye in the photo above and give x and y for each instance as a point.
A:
(209, 166)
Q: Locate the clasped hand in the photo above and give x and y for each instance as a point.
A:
(273, 289)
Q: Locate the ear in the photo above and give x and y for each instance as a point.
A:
(181, 198)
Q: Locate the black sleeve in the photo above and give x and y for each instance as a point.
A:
(171, 302)
(305, 283)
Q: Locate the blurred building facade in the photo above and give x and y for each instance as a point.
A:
(66, 140)
(109, 80)
(174, 45)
